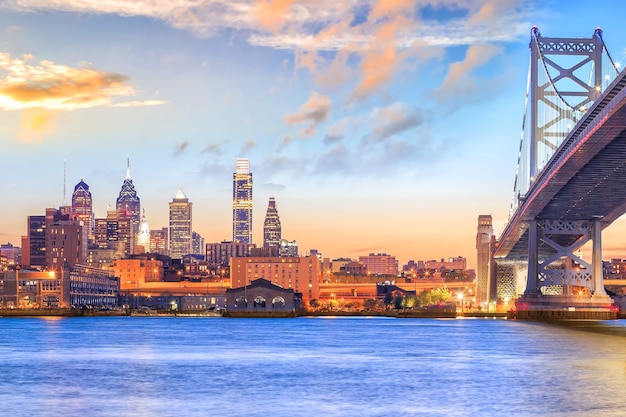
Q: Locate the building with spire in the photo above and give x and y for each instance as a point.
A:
(242, 202)
(128, 201)
(143, 238)
(82, 208)
(271, 227)
(180, 226)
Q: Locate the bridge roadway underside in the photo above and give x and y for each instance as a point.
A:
(587, 178)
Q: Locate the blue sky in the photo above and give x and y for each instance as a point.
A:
(378, 126)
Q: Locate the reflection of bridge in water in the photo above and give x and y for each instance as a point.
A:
(570, 182)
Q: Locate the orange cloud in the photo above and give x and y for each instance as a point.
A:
(271, 14)
(383, 8)
(52, 86)
(381, 58)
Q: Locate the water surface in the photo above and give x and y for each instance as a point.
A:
(146, 366)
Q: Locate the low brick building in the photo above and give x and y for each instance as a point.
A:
(262, 295)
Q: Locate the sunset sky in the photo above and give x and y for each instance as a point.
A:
(378, 125)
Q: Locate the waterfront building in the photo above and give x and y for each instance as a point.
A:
(159, 241)
(272, 233)
(180, 226)
(484, 234)
(82, 207)
(380, 264)
(64, 288)
(218, 255)
(288, 248)
(242, 202)
(261, 295)
(128, 202)
(95, 287)
(300, 273)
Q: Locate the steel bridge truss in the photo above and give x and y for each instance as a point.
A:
(556, 275)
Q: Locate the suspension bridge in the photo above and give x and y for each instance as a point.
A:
(570, 182)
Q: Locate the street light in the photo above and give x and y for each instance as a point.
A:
(460, 298)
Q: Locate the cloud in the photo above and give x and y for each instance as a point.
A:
(180, 148)
(274, 188)
(46, 85)
(271, 14)
(213, 149)
(458, 82)
(392, 120)
(315, 110)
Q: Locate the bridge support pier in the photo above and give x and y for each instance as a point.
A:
(563, 285)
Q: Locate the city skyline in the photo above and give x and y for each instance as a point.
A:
(378, 127)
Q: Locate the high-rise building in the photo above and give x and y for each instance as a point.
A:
(242, 202)
(34, 243)
(115, 232)
(484, 234)
(380, 263)
(159, 241)
(197, 244)
(180, 226)
(271, 227)
(82, 207)
(128, 202)
(66, 244)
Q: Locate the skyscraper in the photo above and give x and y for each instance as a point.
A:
(271, 227)
(82, 207)
(128, 201)
(242, 202)
(180, 226)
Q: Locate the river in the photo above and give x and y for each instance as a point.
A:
(349, 366)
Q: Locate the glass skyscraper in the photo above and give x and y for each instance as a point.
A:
(128, 201)
(242, 202)
(271, 227)
(180, 226)
(82, 207)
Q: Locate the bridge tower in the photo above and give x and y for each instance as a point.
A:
(565, 79)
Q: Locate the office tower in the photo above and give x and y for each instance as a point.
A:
(180, 226)
(271, 227)
(483, 261)
(128, 201)
(242, 202)
(115, 232)
(197, 244)
(143, 239)
(66, 244)
(34, 246)
(82, 207)
(288, 249)
(159, 241)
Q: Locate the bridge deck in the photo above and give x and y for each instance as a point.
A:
(586, 177)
